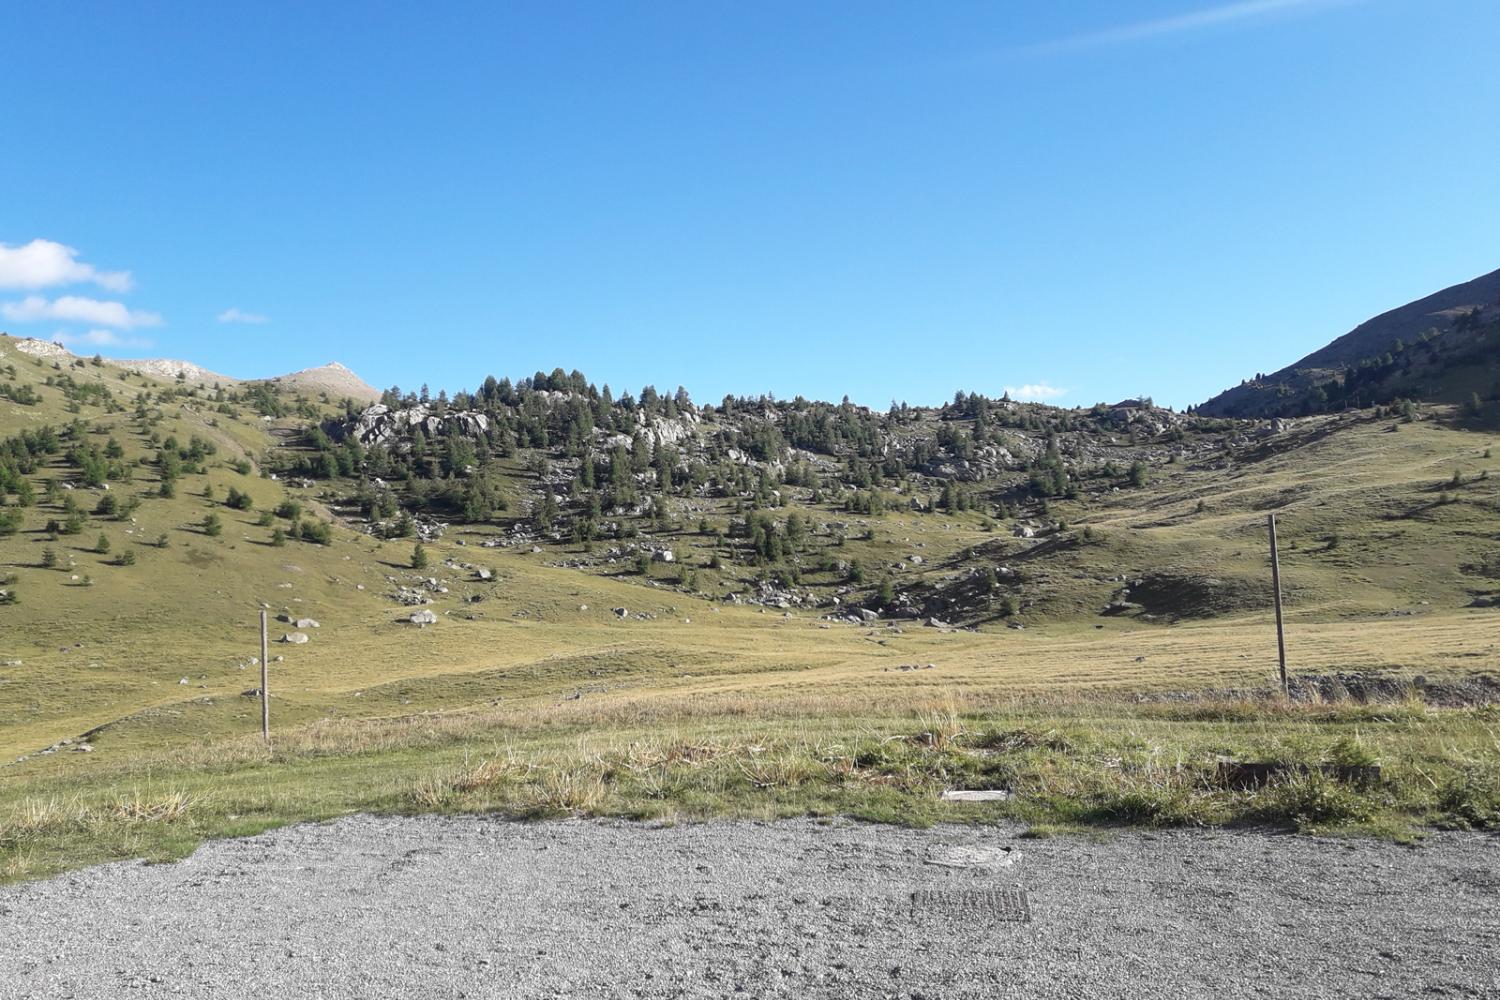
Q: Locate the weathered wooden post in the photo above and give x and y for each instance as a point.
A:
(265, 679)
(1276, 586)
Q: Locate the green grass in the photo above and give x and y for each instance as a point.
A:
(536, 700)
(1070, 765)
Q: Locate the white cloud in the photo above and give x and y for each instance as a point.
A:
(240, 316)
(1035, 391)
(77, 309)
(1224, 14)
(98, 338)
(43, 263)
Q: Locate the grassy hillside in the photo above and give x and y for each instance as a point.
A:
(564, 657)
(1444, 348)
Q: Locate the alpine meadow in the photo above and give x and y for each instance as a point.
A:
(542, 598)
(802, 501)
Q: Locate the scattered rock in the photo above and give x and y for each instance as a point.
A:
(973, 795)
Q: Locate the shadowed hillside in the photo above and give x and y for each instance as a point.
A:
(1442, 348)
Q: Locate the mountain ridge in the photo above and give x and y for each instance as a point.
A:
(1454, 348)
(334, 377)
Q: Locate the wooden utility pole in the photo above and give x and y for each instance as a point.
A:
(266, 673)
(1276, 586)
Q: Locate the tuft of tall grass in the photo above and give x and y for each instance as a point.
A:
(1310, 801)
(1471, 799)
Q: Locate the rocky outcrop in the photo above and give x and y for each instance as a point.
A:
(379, 425)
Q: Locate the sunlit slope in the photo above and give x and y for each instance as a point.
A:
(1383, 552)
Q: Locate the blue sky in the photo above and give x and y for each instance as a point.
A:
(885, 200)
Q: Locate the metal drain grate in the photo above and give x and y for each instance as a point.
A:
(1010, 905)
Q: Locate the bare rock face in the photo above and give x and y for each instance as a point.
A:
(671, 430)
(47, 350)
(380, 425)
(424, 617)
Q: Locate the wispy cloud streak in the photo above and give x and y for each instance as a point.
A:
(1244, 11)
(241, 316)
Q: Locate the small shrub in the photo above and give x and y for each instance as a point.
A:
(238, 500)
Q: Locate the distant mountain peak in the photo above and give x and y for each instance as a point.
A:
(334, 378)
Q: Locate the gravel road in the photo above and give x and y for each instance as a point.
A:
(475, 907)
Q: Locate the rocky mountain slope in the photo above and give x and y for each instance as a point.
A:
(337, 381)
(1441, 348)
(333, 379)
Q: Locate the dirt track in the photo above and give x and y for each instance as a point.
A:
(469, 907)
